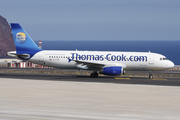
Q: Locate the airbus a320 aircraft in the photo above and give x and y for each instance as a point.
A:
(102, 62)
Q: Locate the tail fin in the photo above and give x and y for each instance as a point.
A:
(21, 39)
(24, 44)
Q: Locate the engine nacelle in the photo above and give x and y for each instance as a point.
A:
(114, 70)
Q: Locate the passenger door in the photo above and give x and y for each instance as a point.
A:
(151, 59)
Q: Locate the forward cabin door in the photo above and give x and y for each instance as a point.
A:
(151, 59)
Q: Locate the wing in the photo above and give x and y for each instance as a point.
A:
(90, 65)
(95, 65)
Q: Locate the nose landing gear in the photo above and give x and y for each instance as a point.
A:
(150, 74)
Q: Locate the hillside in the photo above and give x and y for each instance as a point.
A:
(6, 38)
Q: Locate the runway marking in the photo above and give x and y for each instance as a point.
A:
(158, 79)
(122, 78)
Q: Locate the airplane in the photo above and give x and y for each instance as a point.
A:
(99, 62)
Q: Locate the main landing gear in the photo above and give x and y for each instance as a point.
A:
(124, 72)
(94, 75)
(150, 74)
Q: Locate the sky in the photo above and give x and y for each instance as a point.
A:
(95, 19)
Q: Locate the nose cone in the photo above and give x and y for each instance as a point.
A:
(170, 64)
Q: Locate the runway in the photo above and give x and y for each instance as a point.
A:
(78, 97)
(101, 79)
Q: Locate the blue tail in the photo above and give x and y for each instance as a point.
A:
(24, 44)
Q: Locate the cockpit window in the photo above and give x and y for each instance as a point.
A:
(163, 59)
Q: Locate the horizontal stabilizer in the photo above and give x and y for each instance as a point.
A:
(14, 54)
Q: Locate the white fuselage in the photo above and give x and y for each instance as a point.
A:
(127, 60)
(104, 62)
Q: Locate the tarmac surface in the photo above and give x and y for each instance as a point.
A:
(164, 81)
(79, 97)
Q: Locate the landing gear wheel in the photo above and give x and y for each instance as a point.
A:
(124, 72)
(94, 75)
(150, 77)
(150, 74)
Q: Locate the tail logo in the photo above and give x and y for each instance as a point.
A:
(20, 37)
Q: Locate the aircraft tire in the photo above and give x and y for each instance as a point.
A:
(124, 72)
(150, 77)
(94, 75)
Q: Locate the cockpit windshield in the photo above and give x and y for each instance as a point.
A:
(163, 59)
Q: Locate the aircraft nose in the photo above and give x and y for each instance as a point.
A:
(170, 64)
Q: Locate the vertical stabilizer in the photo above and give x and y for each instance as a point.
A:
(24, 44)
(21, 39)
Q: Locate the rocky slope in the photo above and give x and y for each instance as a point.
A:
(6, 38)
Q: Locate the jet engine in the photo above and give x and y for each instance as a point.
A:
(113, 70)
